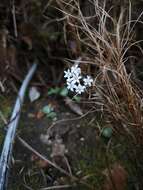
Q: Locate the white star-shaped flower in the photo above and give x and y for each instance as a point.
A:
(88, 81)
(79, 89)
(71, 86)
(75, 70)
(68, 74)
(74, 79)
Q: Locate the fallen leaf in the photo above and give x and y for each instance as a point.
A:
(31, 115)
(42, 163)
(39, 114)
(34, 94)
(34, 157)
(39, 162)
(2, 87)
(73, 106)
(58, 148)
(45, 139)
(116, 178)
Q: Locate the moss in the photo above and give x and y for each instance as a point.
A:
(5, 106)
(93, 162)
(96, 155)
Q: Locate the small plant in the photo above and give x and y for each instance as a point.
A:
(58, 91)
(63, 92)
(75, 81)
(48, 110)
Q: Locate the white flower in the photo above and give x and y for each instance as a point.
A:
(88, 81)
(68, 74)
(73, 74)
(75, 70)
(74, 79)
(79, 89)
(71, 86)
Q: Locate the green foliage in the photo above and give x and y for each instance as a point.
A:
(107, 132)
(64, 92)
(49, 111)
(5, 110)
(58, 91)
(77, 98)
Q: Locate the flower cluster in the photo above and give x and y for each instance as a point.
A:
(75, 81)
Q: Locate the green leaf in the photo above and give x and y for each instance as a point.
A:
(52, 115)
(64, 92)
(47, 109)
(54, 91)
(77, 98)
(107, 132)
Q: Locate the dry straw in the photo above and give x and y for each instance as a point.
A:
(105, 42)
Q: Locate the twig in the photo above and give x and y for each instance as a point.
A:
(14, 20)
(2, 87)
(57, 187)
(68, 165)
(65, 120)
(27, 187)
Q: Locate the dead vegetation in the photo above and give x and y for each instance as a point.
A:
(107, 51)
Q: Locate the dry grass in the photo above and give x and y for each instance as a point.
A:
(106, 37)
(105, 42)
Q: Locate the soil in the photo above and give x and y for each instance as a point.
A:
(72, 142)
